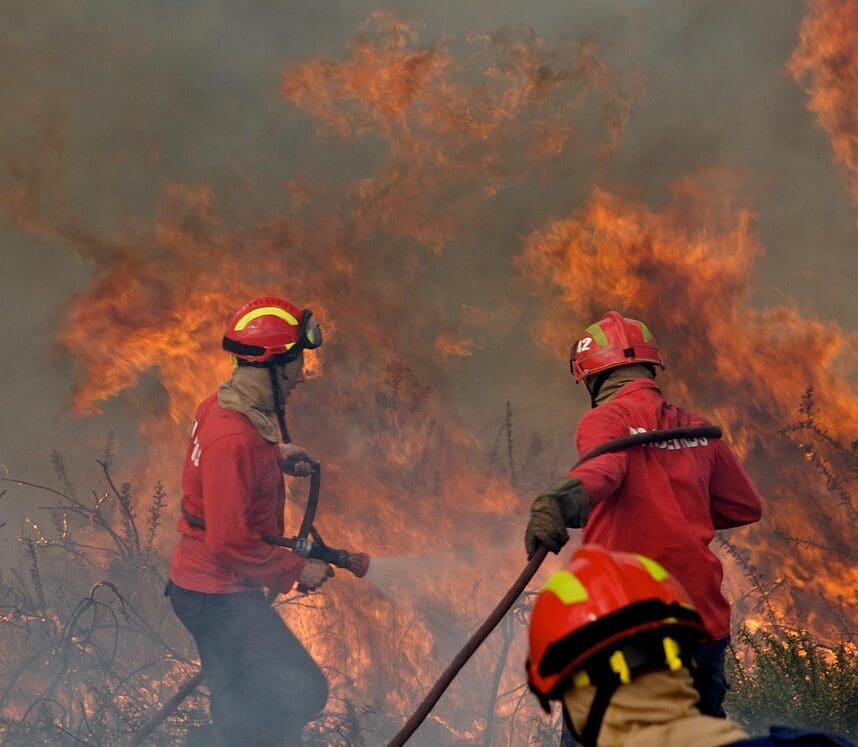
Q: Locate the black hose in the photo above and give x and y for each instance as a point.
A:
(652, 437)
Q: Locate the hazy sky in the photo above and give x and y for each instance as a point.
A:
(107, 103)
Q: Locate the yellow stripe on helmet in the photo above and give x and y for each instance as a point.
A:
(265, 311)
(656, 570)
(621, 667)
(672, 654)
(567, 587)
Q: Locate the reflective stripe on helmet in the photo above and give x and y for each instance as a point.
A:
(598, 335)
(672, 654)
(656, 570)
(567, 587)
(620, 667)
(265, 311)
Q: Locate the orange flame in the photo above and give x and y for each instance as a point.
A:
(826, 62)
(460, 124)
(454, 138)
(403, 475)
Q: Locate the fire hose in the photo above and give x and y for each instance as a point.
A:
(665, 436)
(308, 544)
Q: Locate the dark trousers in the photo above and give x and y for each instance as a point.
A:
(264, 685)
(709, 680)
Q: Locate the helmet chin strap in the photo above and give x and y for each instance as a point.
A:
(278, 405)
(589, 736)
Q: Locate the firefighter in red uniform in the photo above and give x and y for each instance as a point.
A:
(264, 685)
(664, 501)
(612, 635)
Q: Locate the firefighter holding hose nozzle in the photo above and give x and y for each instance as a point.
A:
(264, 685)
(665, 500)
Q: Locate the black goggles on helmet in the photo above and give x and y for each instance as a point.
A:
(309, 334)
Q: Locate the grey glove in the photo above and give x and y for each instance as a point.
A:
(563, 505)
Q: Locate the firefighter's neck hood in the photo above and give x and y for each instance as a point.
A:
(656, 709)
(617, 378)
(248, 391)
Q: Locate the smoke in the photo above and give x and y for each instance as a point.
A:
(106, 105)
(448, 188)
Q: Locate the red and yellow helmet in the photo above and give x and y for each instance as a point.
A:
(605, 616)
(270, 330)
(613, 341)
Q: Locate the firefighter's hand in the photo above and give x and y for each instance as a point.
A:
(295, 461)
(564, 504)
(315, 573)
(573, 501)
(546, 526)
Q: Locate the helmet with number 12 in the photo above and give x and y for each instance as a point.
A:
(613, 341)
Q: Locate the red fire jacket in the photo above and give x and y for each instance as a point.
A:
(232, 481)
(666, 500)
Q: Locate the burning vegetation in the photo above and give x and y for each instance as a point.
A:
(91, 649)
(446, 135)
(698, 252)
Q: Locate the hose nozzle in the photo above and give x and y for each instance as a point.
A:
(358, 563)
(354, 562)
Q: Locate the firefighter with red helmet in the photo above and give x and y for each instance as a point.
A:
(664, 501)
(264, 685)
(612, 636)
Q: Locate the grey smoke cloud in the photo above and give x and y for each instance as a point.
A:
(107, 104)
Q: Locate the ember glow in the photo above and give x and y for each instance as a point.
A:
(443, 136)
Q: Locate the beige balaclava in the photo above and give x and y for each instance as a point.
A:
(248, 391)
(656, 709)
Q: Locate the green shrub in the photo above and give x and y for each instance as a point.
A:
(789, 677)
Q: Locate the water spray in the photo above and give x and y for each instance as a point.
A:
(394, 574)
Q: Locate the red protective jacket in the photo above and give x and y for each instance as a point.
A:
(232, 481)
(664, 501)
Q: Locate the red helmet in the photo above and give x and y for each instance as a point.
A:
(613, 341)
(270, 330)
(604, 618)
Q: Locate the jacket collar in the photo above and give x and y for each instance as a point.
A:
(637, 385)
(622, 383)
(248, 391)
